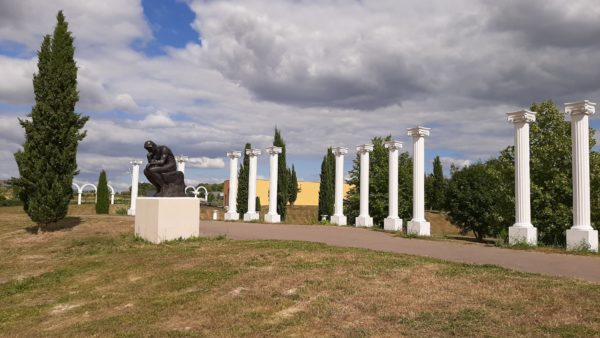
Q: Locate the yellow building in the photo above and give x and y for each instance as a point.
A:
(308, 194)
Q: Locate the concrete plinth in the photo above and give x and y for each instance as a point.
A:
(251, 216)
(521, 234)
(232, 216)
(160, 219)
(582, 239)
(339, 220)
(269, 218)
(392, 224)
(419, 228)
(364, 221)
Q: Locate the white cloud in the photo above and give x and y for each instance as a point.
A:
(206, 163)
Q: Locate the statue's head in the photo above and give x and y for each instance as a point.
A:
(149, 145)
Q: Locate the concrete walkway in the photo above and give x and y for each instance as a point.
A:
(582, 267)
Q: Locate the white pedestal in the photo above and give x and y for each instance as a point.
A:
(251, 216)
(364, 221)
(270, 218)
(339, 220)
(392, 224)
(522, 234)
(232, 216)
(160, 219)
(419, 228)
(582, 239)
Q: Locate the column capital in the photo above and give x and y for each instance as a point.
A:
(364, 148)
(181, 158)
(234, 154)
(337, 151)
(253, 152)
(393, 145)
(273, 150)
(418, 131)
(581, 107)
(136, 162)
(524, 115)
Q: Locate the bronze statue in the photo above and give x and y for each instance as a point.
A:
(161, 171)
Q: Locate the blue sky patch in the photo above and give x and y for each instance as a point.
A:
(170, 22)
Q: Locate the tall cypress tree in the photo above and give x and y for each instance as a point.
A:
(48, 162)
(438, 185)
(243, 178)
(282, 173)
(294, 188)
(327, 185)
(102, 196)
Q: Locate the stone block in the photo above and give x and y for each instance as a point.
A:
(160, 219)
(521, 234)
(582, 239)
(419, 228)
(339, 220)
(251, 216)
(364, 221)
(272, 218)
(392, 224)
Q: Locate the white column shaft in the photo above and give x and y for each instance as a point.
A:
(79, 198)
(273, 183)
(364, 184)
(181, 166)
(581, 172)
(418, 178)
(339, 185)
(393, 184)
(522, 181)
(252, 185)
(233, 184)
(135, 177)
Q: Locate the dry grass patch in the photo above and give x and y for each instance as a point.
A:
(97, 279)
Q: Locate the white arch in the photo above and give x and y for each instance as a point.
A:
(205, 193)
(112, 194)
(95, 190)
(78, 193)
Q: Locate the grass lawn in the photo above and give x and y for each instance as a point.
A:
(94, 278)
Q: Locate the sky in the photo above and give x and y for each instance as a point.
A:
(205, 77)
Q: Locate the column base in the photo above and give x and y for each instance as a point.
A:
(251, 216)
(338, 220)
(392, 224)
(364, 221)
(582, 239)
(419, 228)
(131, 212)
(522, 234)
(232, 216)
(272, 218)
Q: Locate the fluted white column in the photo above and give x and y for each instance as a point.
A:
(581, 235)
(338, 215)
(418, 225)
(393, 222)
(181, 162)
(363, 219)
(251, 214)
(272, 216)
(135, 178)
(231, 214)
(522, 231)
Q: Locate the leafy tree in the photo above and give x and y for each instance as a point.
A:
(102, 195)
(378, 184)
(472, 205)
(327, 185)
(243, 178)
(282, 173)
(47, 162)
(294, 188)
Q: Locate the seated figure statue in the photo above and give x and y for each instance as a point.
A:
(161, 171)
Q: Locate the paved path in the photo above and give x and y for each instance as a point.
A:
(582, 267)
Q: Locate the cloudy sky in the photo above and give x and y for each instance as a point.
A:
(205, 77)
